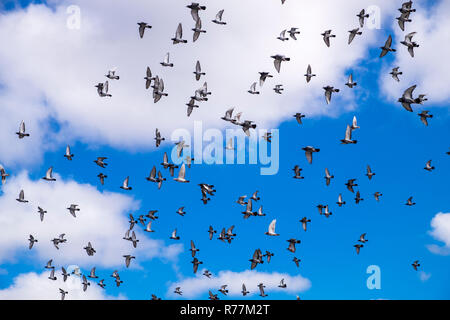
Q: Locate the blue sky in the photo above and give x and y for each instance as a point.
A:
(392, 141)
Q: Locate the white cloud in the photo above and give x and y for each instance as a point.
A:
(429, 68)
(33, 286)
(199, 285)
(424, 276)
(441, 232)
(49, 71)
(102, 220)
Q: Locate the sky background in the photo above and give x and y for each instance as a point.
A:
(47, 74)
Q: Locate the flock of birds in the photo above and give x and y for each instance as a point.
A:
(207, 190)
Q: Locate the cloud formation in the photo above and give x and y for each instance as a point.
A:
(48, 71)
(102, 220)
(440, 231)
(199, 285)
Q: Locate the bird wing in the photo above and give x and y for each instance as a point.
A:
(277, 64)
(179, 32)
(308, 156)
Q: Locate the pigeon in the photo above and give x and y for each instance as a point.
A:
(89, 249)
(48, 175)
(181, 211)
(354, 125)
(350, 83)
(151, 215)
(64, 274)
(224, 289)
(424, 115)
(246, 125)
(261, 290)
(277, 61)
(100, 161)
(278, 88)
(128, 259)
(228, 115)
(193, 249)
(42, 212)
(253, 89)
(404, 17)
(256, 258)
(63, 293)
(178, 291)
(212, 296)
(358, 197)
(304, 222)
(415, 264)
(296, 261)
(179, 35)
(262, 78)
(52, 275)
(293, 32)
(328, 177)
(198, 71)
(292, 243)
(244, 290)
(241, 200)
(362, 238)
(309, 152)
(229, 145)
(133, 239)
(428, 166)
(211, 232)
(377, 195)
(348, 136)
(407, 7)
(148, 78)
(282, 36)
(395, 73)
(271, 230)
(198, 29)
(350, 184)
(3, 174)
(358, 247)
(21, 133)
(195, 8)
(255, 196)
(102, 177)
(298, 116)
(158, 137)
(166, 62)
(369, 173)
(195, 263)
(362, 15)
(352, 34)
(407, 99)
(142, 27)
(68, 154)
(340, 202)
(207, 274)
(309, 73)
(267, 137)
(101, 284)
(22, 197)
(409, 202)
(409, 43)
(326, 37)
(124, 185)
(218, 19)
(327, 213)
(174, 235)
(102, 89)
(268, 255)
(32, 240)
(49, 264)
(112, 74)
(149, 227)
(298, 173)
(85, 283)
(328, 91)
(92, 274)
(387, 47)
(57, 241)
(282, 284)
(191, 105)
(158, 91)
(181, 175)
